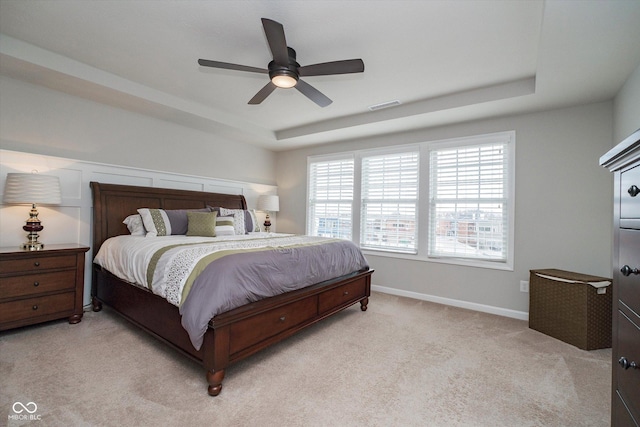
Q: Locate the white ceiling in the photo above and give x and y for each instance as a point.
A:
(445, 61)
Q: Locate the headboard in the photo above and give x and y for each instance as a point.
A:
(112, 203)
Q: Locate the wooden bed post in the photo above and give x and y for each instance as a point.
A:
(214, 378)
(216, 357)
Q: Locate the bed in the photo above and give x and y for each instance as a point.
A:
(231, 335)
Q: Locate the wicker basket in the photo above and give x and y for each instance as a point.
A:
(566, 306)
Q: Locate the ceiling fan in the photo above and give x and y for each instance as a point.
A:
(285, 72)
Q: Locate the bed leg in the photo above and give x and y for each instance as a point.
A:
(76, 318)
(363, 303)
(95, 304)
(214, 378)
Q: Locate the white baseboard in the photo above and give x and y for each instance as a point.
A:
(522, 315)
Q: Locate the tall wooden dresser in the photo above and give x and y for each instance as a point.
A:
(624, 161)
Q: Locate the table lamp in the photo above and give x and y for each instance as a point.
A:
(32, 188)
(268, 203)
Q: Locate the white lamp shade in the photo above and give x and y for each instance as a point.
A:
(268, 203)
(22, 188)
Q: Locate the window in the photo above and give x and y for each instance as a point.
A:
(389, 191)
(445, 201)
(330, 198)
(469, 201)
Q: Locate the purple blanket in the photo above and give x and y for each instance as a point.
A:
(240, 278)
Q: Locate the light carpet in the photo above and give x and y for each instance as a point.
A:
(403, 362)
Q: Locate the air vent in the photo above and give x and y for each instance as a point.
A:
(384, 105)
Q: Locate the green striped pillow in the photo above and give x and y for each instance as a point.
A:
(225, 226)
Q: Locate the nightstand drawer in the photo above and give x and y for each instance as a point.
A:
(38, 306)
(18, 286)
(37, 263)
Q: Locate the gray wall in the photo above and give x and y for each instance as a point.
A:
(563, 204)
(38, 120)
(626, 107)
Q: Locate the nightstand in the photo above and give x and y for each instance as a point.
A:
(38, 286)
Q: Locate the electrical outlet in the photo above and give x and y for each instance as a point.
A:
(524, 286)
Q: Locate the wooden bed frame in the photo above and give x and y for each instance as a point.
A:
(233, 335)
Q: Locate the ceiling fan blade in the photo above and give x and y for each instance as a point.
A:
(227, 66)
(277, 42)
(335, 67)
(262, 94)
(312, 93)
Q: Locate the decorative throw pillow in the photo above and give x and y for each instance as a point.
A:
(201, 224)
(178, 219)
(134, 225)
(225, 226)
(238, 217)
(251, 221)
(155, 222)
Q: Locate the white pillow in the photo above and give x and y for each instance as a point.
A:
(225, 225)
(134, 225)
(238, 219)
(155, 222)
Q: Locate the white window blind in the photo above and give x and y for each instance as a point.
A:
(469, 203)
(389, 192)
(330, 198)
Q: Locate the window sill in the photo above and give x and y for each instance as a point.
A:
(505, 266)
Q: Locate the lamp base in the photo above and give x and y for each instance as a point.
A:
(33, 226)
(267, 224)
(32, 246)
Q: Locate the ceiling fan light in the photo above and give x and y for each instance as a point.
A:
(284, 81)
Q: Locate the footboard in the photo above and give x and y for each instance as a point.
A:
(240, 333)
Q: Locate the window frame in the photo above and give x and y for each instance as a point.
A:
(389, 151)
(328, 159)
(509, 139)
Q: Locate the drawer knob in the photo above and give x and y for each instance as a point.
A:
(37, 264)
(633, 191)
(346, 293)
(282, 318)
(627, 271)
(624, 362)
(35, 307)
(36, 284)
